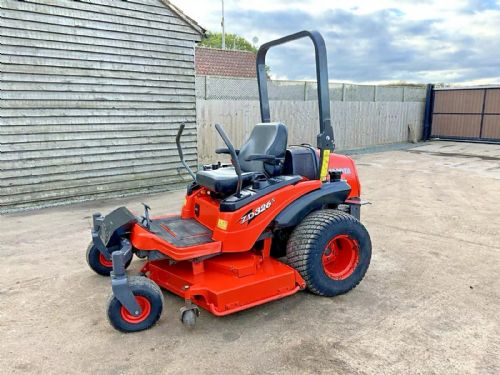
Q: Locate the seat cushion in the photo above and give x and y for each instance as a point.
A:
(222, 180)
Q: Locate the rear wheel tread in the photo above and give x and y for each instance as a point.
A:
(303, 243)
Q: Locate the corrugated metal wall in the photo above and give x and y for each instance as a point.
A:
(92, 93)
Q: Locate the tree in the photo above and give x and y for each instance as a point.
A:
(233, 41)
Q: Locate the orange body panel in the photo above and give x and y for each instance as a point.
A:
(238, 236)
(241, 236)
(208, 210)
(349, 172)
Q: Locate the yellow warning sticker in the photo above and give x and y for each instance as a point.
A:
(324, 164)
(222, 224)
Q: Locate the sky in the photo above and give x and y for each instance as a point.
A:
(382, 41)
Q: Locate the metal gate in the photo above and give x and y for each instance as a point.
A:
(466, 114)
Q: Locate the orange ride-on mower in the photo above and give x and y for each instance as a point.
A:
(278, 220)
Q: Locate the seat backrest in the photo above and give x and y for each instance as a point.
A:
(265, 139)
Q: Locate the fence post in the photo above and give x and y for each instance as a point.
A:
(305, 90)
(482, 114)
(206, 87)
(429, 104)
(342, 99)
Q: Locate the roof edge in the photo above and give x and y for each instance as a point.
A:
(226, 50)
(191, 22)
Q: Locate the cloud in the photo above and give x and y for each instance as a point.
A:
(428, 41)
(474, 6)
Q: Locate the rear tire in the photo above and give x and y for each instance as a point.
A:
(331, 250)
(148, 296)
(98, 262)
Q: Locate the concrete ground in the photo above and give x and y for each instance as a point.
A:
(429, 303)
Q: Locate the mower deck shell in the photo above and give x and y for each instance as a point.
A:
(227, 283)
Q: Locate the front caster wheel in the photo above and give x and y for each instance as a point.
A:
(188, 316)
(98, 262)
(149, 297)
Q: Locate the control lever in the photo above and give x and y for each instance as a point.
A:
(234, 158)
(179, 150)
(146, 215)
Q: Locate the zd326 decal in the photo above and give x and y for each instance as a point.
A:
(252, 214)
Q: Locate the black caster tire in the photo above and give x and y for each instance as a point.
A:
(188, 317)
(331, 250)
(148, 295)
(98, 262)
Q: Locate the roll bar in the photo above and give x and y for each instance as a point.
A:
(325, 137)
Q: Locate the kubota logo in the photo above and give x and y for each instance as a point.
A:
(250, 215)
(345, 170)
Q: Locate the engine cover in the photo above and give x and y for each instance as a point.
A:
(304, 161)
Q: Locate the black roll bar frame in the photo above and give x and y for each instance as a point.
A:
(325, 138)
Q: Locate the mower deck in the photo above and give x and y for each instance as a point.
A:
(227, 283)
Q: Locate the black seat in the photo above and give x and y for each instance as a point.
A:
(222, 180)
(265, 139)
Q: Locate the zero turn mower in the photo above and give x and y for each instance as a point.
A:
(277, 220)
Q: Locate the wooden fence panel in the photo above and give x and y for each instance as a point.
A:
(356, 124)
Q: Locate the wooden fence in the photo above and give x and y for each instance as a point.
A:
(356, 124)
